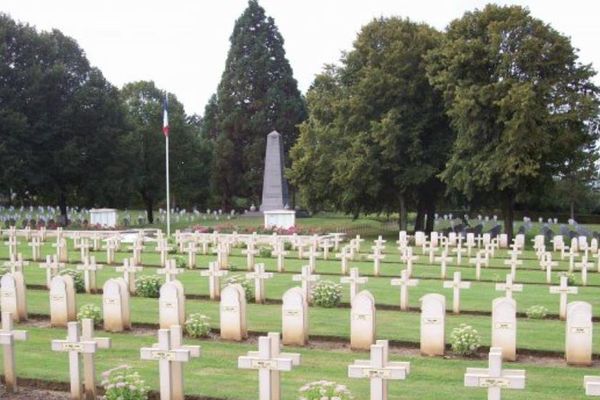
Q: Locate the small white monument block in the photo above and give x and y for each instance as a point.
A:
(282, 219)
(104, 217)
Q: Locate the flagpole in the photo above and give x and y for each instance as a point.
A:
(168, 191)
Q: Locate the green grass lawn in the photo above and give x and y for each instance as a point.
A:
(215, 373)
(431, 378)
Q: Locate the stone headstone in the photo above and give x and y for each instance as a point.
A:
(504, 327)
(578, 346)
(62, 301)
(8, 336)
(233, 313)
(362, 324)
(294, 318)
(171, 305)
(13, 295)
(433, 321)
(275, 191)
(115, 305)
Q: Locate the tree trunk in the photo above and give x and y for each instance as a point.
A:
(62, 205)
(402, 221)
(420, 220)
(509, 215)
(149, 210)
(572, 209)
(430, 219)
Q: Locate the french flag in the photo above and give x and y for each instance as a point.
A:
(166, 116)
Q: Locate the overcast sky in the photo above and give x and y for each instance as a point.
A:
(182, 44)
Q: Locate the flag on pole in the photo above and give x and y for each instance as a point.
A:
(166, 116)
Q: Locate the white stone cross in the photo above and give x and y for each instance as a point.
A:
(380, 242)
(306, 277)
(7, 339)
(477, 261)
(509, 287)
(52, 266)
(89, 368)
(443, 260)
(354, 280)
(280, 253)
(61, 250)
(326, 245)
(430, 248)
(89, 268)
(170, 354)
(459, 250)
(409, 258)
(110, 247)
(84, 247)
(192, 250)
(36, 245)
(573, 254)
(75, 346)
(270, 363)
(377, 256)
(344, 256)
(312, 259)
(404, 282)
(214, 275)
(563, 290)
(137, 247)
(546, 263)
(456, 284)
(259, 275)
(584, 265)
(494, 378)
(379, 370)
(16, 263)
(513, 262)
(129, 270)
(170, 271)
(250, 253)
(163, 248)
(12, 245)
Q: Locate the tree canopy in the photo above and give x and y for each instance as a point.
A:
(257, 94)
(376, 136)
(520, 103)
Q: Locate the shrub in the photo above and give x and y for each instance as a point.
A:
(327, 294)
(180, 261)
(324, 390)
(287, 246)
(3, 270)
(197, 325)
(265, 252)
(570, 277)
(465, 340)
(241, 280)
(148, 286)
(77, 278)
(123, 383)
(90, 311)
(536, 312)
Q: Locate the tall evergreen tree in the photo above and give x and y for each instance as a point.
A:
(257, 94)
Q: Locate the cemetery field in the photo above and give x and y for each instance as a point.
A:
(540, 343)
(215, 373)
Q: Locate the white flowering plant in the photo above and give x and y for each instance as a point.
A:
(536, 312)
(197, 325)
(90, 311)
(245, 283)
(465, 340)
(327, 294)
(324, 390)
(123, 383)
(148, 286)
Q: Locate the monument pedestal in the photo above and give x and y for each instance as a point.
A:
(105, 217)
(284, 219)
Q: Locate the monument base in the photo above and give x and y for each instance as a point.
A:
(284, 219)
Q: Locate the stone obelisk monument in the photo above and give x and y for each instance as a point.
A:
(275, 190)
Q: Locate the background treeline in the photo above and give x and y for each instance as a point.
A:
(496, 112)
